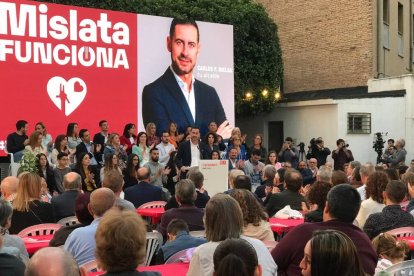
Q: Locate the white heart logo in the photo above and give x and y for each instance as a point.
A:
(66, 95)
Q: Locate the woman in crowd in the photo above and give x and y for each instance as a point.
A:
(236, 257)
(142, 149)
(61, 145)
(254, 217)
(116, 232)
(376, 184)
(89, 174)
(82, 214)
(172, 177)
(258, 144)
(390, 251)
(110, 164)
(35, 143)
(129, 137)
(13, 241)
(47, 141)
(356, 178)
(236, 144)
(272, 160)
(175, 137)
(130, 172)
(316, 197)
(28, 210)
(114, 146)
(408, 179)
(224, 220)
(72, 133)
(211, 141)
(392, 174)
(151, 131)
(215, 155)
(44, 170)
(330, 253)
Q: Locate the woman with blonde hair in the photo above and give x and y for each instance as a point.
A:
(35, 143)
(114, 146)
(390, 250)
(28, 209)
(47, 141)
(152, 137)
(254, 217)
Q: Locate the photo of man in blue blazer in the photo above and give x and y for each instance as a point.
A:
(177, 96)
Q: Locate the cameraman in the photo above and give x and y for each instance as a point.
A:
(288, 153)
(341, 155)
(318, 150)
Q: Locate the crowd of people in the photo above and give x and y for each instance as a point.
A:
(348, 206)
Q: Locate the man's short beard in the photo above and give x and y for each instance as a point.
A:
(177, 69)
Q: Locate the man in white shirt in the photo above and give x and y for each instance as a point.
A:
(165, 148)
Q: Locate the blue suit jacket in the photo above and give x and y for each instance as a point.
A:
(163, 102)
(143, 192)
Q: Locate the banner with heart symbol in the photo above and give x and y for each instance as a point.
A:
(66, 95)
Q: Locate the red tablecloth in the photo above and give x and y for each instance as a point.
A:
(281, 226)
(179, 269)
(154, 213)
(410, 241)
(35, 243)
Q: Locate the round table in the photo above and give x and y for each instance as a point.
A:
(34, 243)
(154, 213)
(282, 226)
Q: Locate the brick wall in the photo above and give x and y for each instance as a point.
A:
(325, 44)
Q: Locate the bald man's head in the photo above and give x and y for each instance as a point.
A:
(102, 200)
(51, 261)
(72, 181)
(9, 186)
(143, 174)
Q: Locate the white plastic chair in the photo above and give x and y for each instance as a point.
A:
(179, 257)
(198, 234)
(405, 268)
(39, 230)
(154, 242)
(402, 232)
(153, 204)
(72, 220)
(13, 167)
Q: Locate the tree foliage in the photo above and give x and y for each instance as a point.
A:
(257, 56)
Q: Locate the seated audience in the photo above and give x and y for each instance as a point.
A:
(306, 173)
(258, 145)
(28, 210)
(350, 169)
(392, 174)
(142, 149)
(178, 239)
(376, 184)
(114, 146)
(339, 177)
(390, 250)
(173, 176)
(118, 231)
(392, 216)
(342, 206)
(61, 170)
(61, 146)
(81, 243)
(64, 205)
(291, 196)
(232, 176)
(236, 257)
(268, 175)
(224, 220)
(331, 252)
(35, 144)
(17, 140)
(197, 177)
(185, 194)
(110, 164)
(128, 138)
(9, 264)
(356, 178)
(82, 214)
(8, 188)
(255, 224)
(130, 172)
(408, 179)
(253, 168)
(72, 133)
(45, 171)
(324, 174)
(143, 192)
(151, 131)
(114, 181)
(12, 244)
(89, 174)
(365, 171)
(316, 197)
(52, 261)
